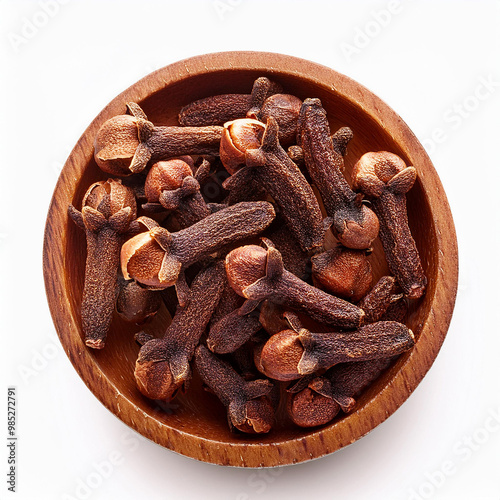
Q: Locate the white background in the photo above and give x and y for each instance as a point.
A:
(428, 60)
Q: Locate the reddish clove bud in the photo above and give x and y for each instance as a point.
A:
(343, 272)
(249, 404)
(162, 367)
(258, 274)
(155, 258)
(126, 144)
(308, 408)
(354, 224)
(165, 176)
(290, 354)
(238, 136)
(171, 183)
(385, 178)
(108, 209)
(285, 109)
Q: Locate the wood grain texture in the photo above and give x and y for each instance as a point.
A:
(195, 424)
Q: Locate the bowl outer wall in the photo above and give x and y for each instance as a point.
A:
(318, 442)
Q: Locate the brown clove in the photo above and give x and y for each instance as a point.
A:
(342, 271)
(385, 178)
(377, 301)
(155, 258)
(234, 329)
(354, 224)
(284, 181)
(136, 304)
(219, 109)
(108, 208)
(344, 382)
(293, 353)
(162, 367)
(125, 144)
(258, 274)
(172, 184)
(307, 407)
(249, 403)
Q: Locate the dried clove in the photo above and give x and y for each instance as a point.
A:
(165, 175)
(249, 404)
(379, 298)
(344, 382)
(308, 408)
(397, 311)
(285, 109)
(162, 367)
(258, 274)
(385, 178)
(238, 136)
(290, 354)
(108, 208)
(342, 271)
(229, 301)
(295, 259)
(219, 109)
(271, 317)
(155, 258)
(296, 154)
(354, 224)
(340, 140)
(243, 358)
(125, 144)
(136, 304)
(215, 110)
(172, 184)
(243, 186)
(284, 181)
(234, 329)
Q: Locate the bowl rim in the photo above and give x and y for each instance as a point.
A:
(318, 442)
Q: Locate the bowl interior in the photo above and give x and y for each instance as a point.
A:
(198, 413)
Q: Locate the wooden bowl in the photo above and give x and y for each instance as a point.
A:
(195, 424)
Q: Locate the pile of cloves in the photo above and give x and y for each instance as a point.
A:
(216, 220)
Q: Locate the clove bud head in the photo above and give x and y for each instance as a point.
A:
(136, 304)
(308, 408)
(343, 272)
(154, 378)
(109, 197)
(239, 136)
(373, 171)
(165, 176)
(285, 108)
(116, 143)
(280, 357)
(259, 416)
(141, 258)
(359, 235)
(244, 266)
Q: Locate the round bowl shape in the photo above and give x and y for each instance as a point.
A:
(195, 424)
